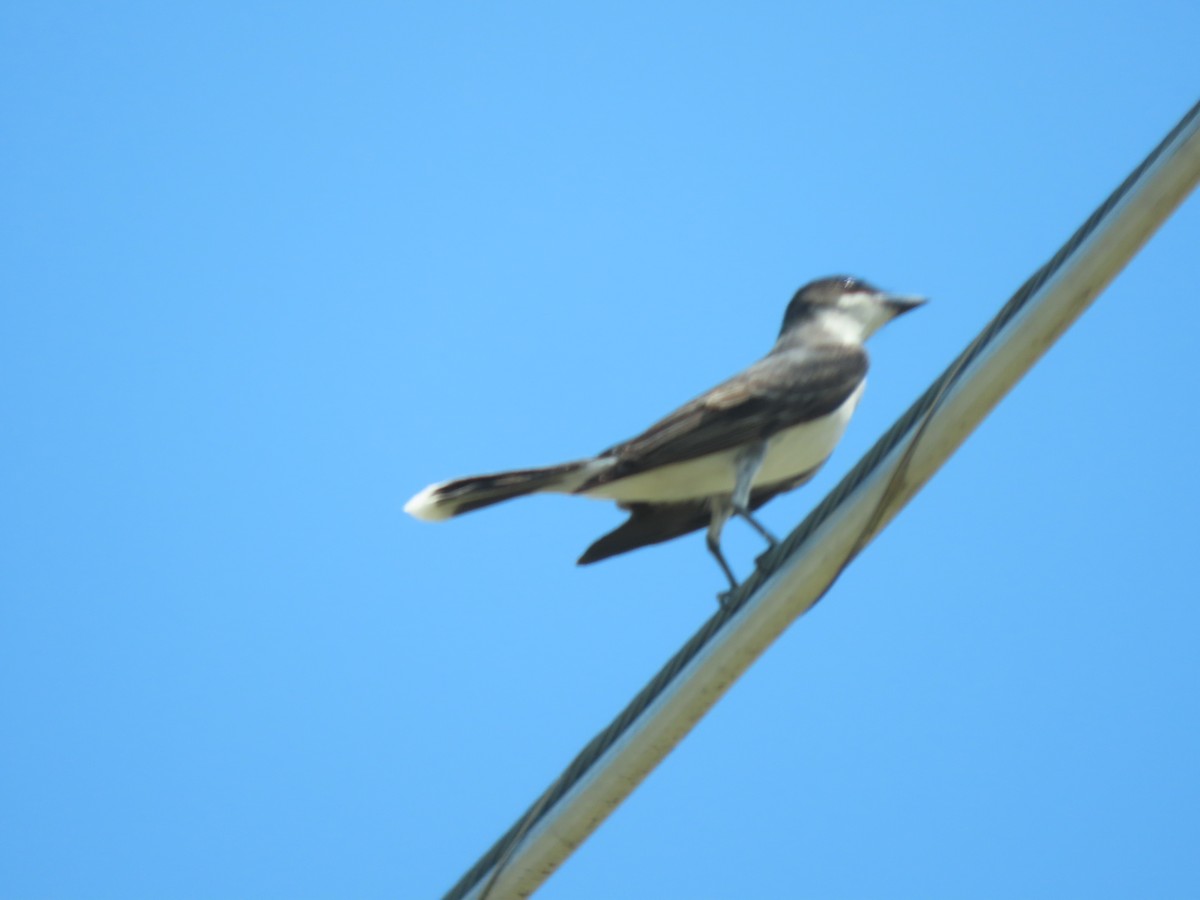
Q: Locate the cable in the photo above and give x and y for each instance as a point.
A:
(911, 427)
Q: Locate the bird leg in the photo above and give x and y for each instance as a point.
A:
(758, 526)
(720, 515)
(746, 466)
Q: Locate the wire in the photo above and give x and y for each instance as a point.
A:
(910, 427)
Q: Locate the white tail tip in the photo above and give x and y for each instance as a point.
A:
(424, 506)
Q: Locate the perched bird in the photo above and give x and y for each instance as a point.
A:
(764, 431)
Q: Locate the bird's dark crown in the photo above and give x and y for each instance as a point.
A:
(822, 294)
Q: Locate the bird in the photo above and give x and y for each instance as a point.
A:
(725, 453)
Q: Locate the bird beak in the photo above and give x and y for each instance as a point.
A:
(899, 304)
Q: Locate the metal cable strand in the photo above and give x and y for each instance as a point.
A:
(912, 421)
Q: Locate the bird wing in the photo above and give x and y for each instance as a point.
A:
(781, 390)
(653, 523)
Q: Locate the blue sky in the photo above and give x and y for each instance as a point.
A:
(268, 269)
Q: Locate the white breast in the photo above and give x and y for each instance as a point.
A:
(789, 453)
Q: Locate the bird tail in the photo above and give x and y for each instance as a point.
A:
(452, 498)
